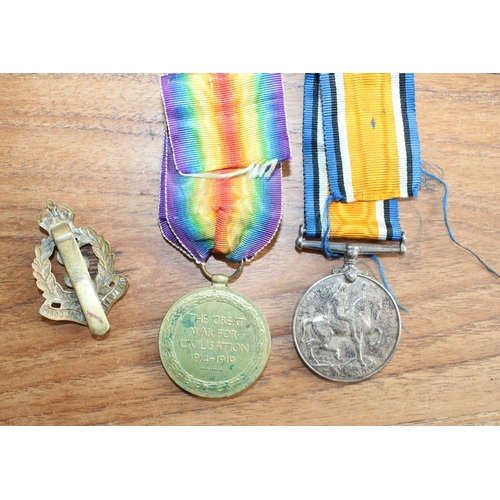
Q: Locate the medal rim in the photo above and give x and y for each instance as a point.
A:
(337, 273)
(215, 390)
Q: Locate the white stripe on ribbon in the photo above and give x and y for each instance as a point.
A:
(382, 228)
(344, 144)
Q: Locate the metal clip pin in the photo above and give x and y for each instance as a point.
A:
(363, 248)
(89, 301)
(80, 277)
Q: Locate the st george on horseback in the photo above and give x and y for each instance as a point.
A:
(344, 314)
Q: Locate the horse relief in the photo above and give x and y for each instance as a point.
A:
(345, 315)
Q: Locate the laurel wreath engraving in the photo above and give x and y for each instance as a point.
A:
(47, 283)
(187, 380)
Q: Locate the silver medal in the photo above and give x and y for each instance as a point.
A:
(346, 326)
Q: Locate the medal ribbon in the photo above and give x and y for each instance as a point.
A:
(220, 182)
(361, 152)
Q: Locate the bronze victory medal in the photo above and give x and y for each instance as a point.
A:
(345, 330)
(214, 342)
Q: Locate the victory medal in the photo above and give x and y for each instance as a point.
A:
(214, 342)
(220, 193)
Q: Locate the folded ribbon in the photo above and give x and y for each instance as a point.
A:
(360, 144)
(220, 183)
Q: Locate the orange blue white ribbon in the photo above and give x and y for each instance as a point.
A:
(220, 183)
(360, 144)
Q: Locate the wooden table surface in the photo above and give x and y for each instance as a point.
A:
(94, 142)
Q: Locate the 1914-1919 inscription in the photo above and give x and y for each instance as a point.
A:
(214, 342)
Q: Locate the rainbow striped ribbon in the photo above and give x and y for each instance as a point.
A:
(220, 182)
(360, 144)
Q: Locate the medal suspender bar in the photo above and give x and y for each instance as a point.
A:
(360, 154)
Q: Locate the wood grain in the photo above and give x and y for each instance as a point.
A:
(94, 142)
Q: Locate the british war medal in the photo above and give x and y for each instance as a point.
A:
(360, 154)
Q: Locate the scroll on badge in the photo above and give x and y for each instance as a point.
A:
(89, 301)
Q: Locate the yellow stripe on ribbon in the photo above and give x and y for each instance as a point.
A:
(355, 220)
(371, 136)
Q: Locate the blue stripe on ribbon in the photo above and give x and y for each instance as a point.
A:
(394, 219)
(308, 158)
(327, 103)
(414, 138)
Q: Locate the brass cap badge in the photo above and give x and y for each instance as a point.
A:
(89, 301)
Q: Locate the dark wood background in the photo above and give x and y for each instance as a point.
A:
(94, 142)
